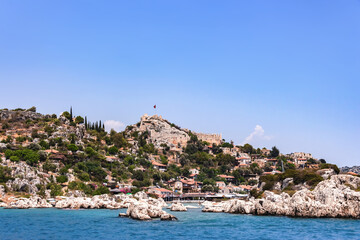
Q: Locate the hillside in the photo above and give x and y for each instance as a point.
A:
(49, 156)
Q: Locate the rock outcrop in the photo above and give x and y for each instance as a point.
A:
(326, 173)
(160, 131)
(32, 202)
(177, 206)
(26, 179)
(96, 202)
(144, 210)
(330, 198)
(141, 195)
(19, 115)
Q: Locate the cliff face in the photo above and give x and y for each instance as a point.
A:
(162, 132)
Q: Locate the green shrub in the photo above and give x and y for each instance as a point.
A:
(44, 144)
(72, 147)
(269, 180)
(255, 193)
(47, 166)
(84, 177)
(14, 159)
(113, 150)
(5, 174)
(332, 166)
(62, 179)
(55, 189)
(79, 119)
(101, 190)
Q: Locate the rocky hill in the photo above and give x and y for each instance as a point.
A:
(354, 169)
(48, 156)
(161, 133)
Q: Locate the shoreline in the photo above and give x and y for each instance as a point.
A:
(332, 198)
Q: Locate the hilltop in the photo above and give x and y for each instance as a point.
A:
(50, 155)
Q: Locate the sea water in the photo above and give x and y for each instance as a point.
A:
(193, 224)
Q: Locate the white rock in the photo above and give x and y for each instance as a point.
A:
(177, 206)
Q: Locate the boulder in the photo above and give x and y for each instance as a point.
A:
(141, 195)
(168, 217)
(177, 206)
(286, 182)
(326, 173)
(145, 210)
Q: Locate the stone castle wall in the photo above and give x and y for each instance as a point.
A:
(210, 138)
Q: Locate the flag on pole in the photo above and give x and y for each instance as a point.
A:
(155, 106)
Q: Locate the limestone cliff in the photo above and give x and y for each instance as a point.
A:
(160, 132)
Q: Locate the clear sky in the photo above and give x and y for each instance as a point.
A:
(284, 73)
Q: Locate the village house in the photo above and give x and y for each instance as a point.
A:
(272, 161)
(300, 161)
(245, 188)
(220, 184)
(48, 151)
(177, 186)
(227, 178)
(190, 185)
(260, 162)
(160, 192)
(159, 166)
(243, 158)
(265, 152)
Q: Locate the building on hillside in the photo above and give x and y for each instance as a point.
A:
(210, 138)
(306, 156)
(260, 162)
(245, 188)
(48, 151)
(190, 185)
(246, 159)
(159, 166)
(227, 178)
(265, 152)
(300, 161)
(220, 184)
(160, 192)
(272, 161)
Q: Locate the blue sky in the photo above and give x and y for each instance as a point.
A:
(284, 73)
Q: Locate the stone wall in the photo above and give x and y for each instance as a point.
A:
(210, 138)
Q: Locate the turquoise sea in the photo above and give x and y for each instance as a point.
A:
(105, 224)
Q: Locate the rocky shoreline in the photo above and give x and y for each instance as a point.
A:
(332, 198)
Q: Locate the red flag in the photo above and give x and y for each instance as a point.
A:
(155, 106)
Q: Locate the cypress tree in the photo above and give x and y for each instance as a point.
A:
(71, 116)
(86, 126)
